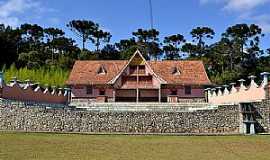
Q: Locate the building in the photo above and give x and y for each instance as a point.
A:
(138, 80)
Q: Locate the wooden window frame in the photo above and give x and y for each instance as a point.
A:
(188, 90)
(89, 89)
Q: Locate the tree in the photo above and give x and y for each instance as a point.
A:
(83, 29)
(10, 40)
(109, 52)
(243, 36)
(199, 35)
(32, 34)
(33, 59)
(98, 36)
(244, 42)
(125, 44)
(190, 49)
(173, 46)
(52, 34)
(148, 41)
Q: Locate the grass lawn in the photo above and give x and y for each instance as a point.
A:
(27, 146)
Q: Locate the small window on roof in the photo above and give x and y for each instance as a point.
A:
(176, 71)
(102, 70)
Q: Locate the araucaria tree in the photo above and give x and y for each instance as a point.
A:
(148, 42)
(172, 47)
(199, 35)
(83, 29)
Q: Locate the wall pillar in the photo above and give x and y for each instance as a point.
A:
(244, 129)
(159, 94)
(252, 128)
(137, 95)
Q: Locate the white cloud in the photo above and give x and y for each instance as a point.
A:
(245, 10)
(240, 5)
(263, 20)
(237, 5)
(10, 8)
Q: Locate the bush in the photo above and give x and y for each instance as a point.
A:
(53, 76)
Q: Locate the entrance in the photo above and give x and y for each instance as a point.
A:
(125, 95)
(247, 128)
(148, 95)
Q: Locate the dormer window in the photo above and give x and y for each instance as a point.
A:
(176, 71)
(102, 70)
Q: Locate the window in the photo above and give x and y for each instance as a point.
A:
(102, 92)
(89, 90)
(141, 69)
(188, 90)
(102, 70)
(174, 92)
(175, 71)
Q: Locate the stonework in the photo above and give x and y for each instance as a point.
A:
(263, 116)
(223, 120)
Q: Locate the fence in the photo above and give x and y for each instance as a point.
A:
(30, 92)
(251, 93)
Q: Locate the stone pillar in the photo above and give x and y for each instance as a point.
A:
(113, 95)
(266, 85)
(159, 94)
(265, 78)
(243, 128)
(1, 84)
(252, 128)
(1, 79)
(207, 94)
(67, 93)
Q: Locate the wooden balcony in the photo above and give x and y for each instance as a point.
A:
(140, 85)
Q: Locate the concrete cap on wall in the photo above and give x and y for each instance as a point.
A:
(252, 77)
(241, 80)
(265, 73)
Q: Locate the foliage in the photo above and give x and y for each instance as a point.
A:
(45, 76)
(235, 55)
(172, 46)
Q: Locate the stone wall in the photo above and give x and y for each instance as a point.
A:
(262, 116)
(223, 120)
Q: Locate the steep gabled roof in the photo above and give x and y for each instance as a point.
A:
(191, 72)
(137, 53)
(85, 72)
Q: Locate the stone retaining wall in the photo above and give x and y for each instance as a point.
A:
(223, 120)
(263, 116)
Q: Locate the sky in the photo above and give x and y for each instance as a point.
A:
(122, 17)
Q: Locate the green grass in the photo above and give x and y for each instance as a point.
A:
(27, 146)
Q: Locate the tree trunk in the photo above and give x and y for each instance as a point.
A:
(84, 40)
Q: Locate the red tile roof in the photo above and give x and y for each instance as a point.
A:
(192, 72)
